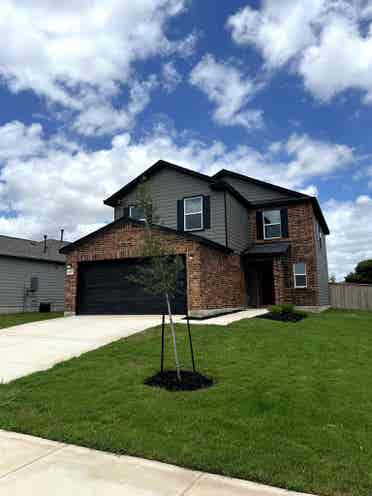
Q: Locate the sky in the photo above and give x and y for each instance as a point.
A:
(92, 93)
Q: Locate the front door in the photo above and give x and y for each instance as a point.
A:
(266, 284)
(260, 283)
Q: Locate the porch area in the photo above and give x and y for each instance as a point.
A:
(265, 267)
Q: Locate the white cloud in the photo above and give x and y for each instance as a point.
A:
(351, 238)
(80, 53)
(171, 77)
(229, 90)
(310, 190)
(315, 158)
(324, 41)
(101, 118)
(18, 140)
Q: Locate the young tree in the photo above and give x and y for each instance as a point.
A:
(362, 273)
(159, 275)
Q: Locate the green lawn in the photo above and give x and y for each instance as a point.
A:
(292, 405)
(13, 319)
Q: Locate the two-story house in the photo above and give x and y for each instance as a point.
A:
(244, 243)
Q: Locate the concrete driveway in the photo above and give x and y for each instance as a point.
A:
(38, 346)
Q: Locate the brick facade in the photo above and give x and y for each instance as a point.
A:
(215, 279)
(302, 240)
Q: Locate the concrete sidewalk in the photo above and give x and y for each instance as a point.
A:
(30, 465)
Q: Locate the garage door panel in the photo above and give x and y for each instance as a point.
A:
(104, 288)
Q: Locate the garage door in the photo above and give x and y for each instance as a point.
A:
(104, 288)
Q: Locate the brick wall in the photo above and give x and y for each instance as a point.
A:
(214, 279)
(302, 241)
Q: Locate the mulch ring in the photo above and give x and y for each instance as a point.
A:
(191, 381)
(283, 317)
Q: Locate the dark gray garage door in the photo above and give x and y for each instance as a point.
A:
(104, 288)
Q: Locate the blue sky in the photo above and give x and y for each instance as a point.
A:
(92, 95)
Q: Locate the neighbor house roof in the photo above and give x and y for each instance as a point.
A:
(127, 220)
(216, 182)
(26, 248)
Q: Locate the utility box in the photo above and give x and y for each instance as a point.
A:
(45, 307)
(34, 284)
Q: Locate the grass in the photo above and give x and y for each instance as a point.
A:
(13, 319)
(292, 406)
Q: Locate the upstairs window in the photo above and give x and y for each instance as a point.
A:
(272, 224)
(193, 213)
(136, 213)
(300, 278)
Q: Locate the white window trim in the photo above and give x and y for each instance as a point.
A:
(274, 224)
(130, 213)
(298, 274)
(194, 213)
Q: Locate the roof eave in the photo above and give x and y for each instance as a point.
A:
(112, 200)
(124, 220)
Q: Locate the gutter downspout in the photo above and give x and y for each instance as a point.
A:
(226, 231)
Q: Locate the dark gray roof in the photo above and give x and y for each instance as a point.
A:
(26, 248)
(217, 183)
(269, 249)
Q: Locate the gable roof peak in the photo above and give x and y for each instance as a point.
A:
(160, 164)
(258, 182)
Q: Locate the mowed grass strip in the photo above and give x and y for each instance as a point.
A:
(13, 319)
(291, 407)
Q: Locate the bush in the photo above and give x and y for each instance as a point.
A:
(288, 308)
(275, 309)
(279, 309)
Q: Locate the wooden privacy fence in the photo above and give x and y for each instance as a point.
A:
(353, 296)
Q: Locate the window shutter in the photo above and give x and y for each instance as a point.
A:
(284, 220)
(180, 221)
(259, 225)
(126, 212)
(207, 212)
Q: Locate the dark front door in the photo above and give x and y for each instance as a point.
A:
(104, 288)
(266, 284)
(260, 282)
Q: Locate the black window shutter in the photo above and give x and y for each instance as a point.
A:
(180, 224)
(207, 212)
(259, 225)
(284, 219)
(126, 212)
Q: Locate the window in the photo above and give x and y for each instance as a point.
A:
(272, 224)
(300, 279)
(136, 213)
(193, 213)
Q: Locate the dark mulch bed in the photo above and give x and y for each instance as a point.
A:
(283, 317)
(168, 380)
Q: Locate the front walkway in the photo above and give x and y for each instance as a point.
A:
(32, 465)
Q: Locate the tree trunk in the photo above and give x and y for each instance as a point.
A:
(173, 338)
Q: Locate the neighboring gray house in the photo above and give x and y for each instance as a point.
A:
(245, 242)
(32, 274)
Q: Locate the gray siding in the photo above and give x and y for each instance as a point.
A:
(15, 275)
(167, 186)
(322, 267)
(253, 192)
(238, 231)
